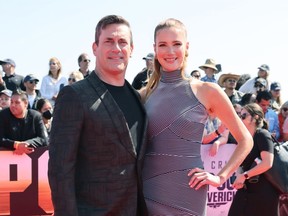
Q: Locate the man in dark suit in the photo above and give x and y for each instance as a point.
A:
(97, 141)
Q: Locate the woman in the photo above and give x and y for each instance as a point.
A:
(259, 198)
(282, 115)
(45, 108)
(75, 76)
(53, 82)
(174, 182)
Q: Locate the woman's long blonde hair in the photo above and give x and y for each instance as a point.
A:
(155, 77)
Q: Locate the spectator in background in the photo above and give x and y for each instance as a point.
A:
(260, 198)
(30, 82)
(259, 85)
(282, 115)
(196, 74)
(2, 83)
(75, 76)
(142, 77)
(276, 101)
(228, 82)
(45, 108)
(21, 129)
(53, 82)
(84, 63)
(243, 78)
(285, 130)
(5, 98)
(249, 85)
(263, 99)
(12, 80)
(248, 98)
(210, 70)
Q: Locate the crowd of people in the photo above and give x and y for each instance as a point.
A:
(121, 149)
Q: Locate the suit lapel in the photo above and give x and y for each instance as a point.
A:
(117, 117)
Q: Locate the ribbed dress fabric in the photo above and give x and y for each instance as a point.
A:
(176, 125)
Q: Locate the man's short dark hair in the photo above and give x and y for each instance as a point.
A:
(109, 20)
(263, 95)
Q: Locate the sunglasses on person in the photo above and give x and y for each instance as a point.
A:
(33, 82)
(52, 63)
(72, 79)
(196, 76)
(244, 116)
(231, 80)
(285, 109)
(86, 60)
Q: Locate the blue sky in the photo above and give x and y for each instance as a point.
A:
(241, 35)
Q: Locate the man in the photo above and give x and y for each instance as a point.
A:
(21, 129)
(12, 81)
(84, 62)
(263, 99)
(30, 82)
(228, 81)
(141, 79)
(97, 140)
(249, 85)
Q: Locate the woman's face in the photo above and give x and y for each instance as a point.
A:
(284, 111)
(170, 47)
(245, 117)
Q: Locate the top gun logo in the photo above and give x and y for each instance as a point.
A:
(221, 195)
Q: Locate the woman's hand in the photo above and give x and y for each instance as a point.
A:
(200, 177)
(239, 182)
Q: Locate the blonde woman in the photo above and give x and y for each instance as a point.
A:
(53, 82)
(174, 182)
(75, 76)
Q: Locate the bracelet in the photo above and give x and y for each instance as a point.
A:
(217, 132)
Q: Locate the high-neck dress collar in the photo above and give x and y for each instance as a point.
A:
(171, 77)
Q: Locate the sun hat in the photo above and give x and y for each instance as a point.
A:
(209, 63)
(226, 76)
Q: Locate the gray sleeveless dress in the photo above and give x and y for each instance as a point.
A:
(176, 125)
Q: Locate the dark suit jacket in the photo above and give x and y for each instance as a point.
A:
(93, 166)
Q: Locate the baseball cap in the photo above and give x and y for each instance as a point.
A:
(30, 77)
(8, 61)
(6, 92)
(275, 86)
(150, 56)
(261, 81)
(264, 67)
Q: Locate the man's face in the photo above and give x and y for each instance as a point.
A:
(85, 62)
(18, 107)
(114, 49)
(6, 67)
(230, 83)
(31, 85)
(264, 104)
